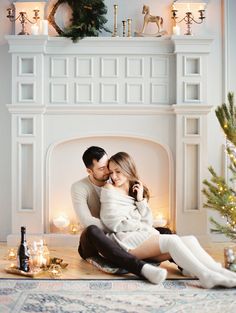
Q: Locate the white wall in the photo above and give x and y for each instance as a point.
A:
(5, 130)
(232, 47)
(212, 27)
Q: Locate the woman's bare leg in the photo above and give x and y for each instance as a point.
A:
(150, 249)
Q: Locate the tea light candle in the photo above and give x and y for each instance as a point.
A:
(34, 29)
(176, 30)
(55, 270)
(11, 254)
(62, 221)
(74, 229)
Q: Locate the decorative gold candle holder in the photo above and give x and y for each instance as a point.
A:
(114, 34)
(55, 271)
(129, 21)
(124, 28)
(74, 229)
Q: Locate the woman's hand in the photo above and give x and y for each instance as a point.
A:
(138, 189)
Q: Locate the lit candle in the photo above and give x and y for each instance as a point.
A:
(55, 270)
(44, 27)
(11, 254)
(40, 260)
(74, 229)
(34, 29)
(176, 30)
(62, 221)
(160, 221)
(44, 261)
(201, 7)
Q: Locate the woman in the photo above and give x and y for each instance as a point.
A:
(125, 212)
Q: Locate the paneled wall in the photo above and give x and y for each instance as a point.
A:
(212, 27)
(100, 89)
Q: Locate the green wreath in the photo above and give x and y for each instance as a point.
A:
(88, 18)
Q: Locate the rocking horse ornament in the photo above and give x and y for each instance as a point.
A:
(148, 18)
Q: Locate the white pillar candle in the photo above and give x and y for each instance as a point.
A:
(44, 27)
(34, 29)
(176, 30)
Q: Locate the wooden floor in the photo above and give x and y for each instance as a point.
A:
(80, 269)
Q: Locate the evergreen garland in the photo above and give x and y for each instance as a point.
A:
(221, 197)
(88, 18)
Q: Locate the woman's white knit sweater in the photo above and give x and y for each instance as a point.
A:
(129, 221)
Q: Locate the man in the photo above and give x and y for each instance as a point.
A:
(86, 200)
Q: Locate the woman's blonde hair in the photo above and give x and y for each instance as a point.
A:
(128, 168)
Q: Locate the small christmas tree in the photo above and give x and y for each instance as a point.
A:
(220, 195)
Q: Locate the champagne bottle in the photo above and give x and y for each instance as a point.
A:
(23, 253)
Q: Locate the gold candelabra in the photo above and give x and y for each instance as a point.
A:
(189, 17)
(23, 18)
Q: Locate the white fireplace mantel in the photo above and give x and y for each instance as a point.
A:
(154, 89)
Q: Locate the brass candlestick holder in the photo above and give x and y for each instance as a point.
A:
(124, 28)
(129, 21)
(188, 18)
(23, 18)
(114, 34)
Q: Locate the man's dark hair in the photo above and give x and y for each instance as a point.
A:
(92, 153)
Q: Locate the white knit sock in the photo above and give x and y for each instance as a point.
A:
(183, 256)
(193, 244)
(186, 273)
(153, 274)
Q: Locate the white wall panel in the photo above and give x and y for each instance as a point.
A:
(210, 27)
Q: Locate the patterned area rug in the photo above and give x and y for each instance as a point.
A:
(109, 296)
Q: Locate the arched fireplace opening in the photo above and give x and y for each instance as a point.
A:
(65, 166)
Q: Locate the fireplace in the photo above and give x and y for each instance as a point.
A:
(146, 96)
